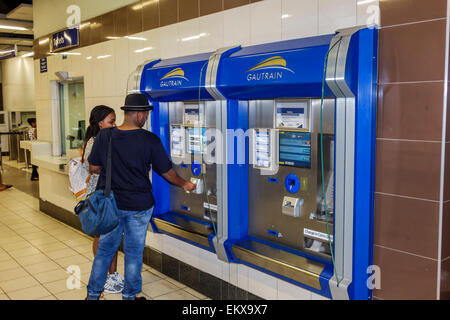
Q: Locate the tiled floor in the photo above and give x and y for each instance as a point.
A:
(15, 173)
(36, 250)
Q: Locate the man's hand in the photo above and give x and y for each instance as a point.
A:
(189, 186)
(175, 179)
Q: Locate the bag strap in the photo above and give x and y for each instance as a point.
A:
(109, 165)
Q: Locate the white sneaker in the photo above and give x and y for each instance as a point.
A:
(118, 279)
(111, 285)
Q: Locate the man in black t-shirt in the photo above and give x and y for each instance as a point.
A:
(134, 152)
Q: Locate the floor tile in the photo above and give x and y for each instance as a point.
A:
(5, 257)
(13, 274)
(177, 295)
(81, 240)
(44, 240)
(85, 248)
(77, 294)
(148, 277)
(18, 284)
(195, 293)
(47, 247)
(156, 272)
(24, 252)
(178, 284)
(58, 286)
(51, 276)
(17, 246)
(109, 296)
(42, 267)
(35, 235)
(32, 293)
(48, 298)
(61, 253)
(158, 288)
(74, 260)
(34, 259)
(8, 265)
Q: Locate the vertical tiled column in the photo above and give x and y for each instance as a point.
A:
(407, 223)
(445, 242)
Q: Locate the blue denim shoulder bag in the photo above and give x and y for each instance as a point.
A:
(98, 213)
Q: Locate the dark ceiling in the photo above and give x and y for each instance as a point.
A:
(7, 5)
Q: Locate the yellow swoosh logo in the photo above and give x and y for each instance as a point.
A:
(177, 73)
(271, 62)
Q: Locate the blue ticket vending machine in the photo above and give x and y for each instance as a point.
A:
(292, 151)
(310, 159)
(184, 117)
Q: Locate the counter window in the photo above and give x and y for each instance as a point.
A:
(72, 115)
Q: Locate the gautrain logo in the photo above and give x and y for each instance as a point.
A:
(173, 78)
(269, 69)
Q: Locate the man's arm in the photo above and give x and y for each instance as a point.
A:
(175, 179)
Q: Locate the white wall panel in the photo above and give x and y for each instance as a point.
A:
(334, 15)
(237, 26)
(300, 18)
(265, 21)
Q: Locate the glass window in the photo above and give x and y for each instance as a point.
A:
(73, 123)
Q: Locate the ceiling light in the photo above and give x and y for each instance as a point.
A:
(136, 38)
(285, 16)
(359, 3)
(104, 57)
(12, 28)
(5, 52)
(194, 37)
(29, 54)
(143, 49)
(140, 6)
(89, 58)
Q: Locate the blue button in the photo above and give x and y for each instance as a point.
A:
(292, 183)
(196, 168)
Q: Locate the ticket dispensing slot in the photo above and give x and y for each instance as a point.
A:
(194, 211)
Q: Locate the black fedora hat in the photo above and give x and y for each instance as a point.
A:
(137, 102)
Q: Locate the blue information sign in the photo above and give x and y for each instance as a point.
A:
(43, 63)
(65, 39)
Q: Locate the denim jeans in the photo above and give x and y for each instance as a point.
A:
(133, 225)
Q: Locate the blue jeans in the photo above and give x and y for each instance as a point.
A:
(133, 225)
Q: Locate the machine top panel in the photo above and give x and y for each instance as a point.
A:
(177, 79)
(183, 60)
(284, 46)
(287, 69)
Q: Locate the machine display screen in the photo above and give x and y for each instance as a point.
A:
(197, 140)
(295, 149)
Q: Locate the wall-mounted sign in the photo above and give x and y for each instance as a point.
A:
(8, 52)
(43, 63)
(66, 39)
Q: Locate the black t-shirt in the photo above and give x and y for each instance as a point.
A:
(134, 153)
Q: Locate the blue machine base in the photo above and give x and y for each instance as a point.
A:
(324, 277)
(171, 217)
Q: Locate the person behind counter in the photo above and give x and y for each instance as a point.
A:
(101, 117)
(134, 152)
(32, 135)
